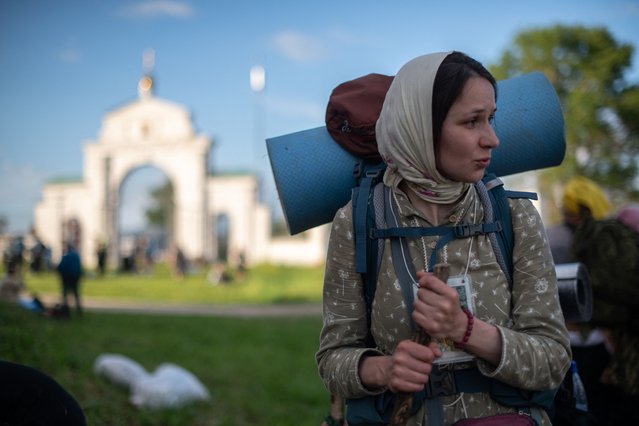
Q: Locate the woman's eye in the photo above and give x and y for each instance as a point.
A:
(491, 120)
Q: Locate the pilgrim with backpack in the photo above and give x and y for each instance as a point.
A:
(498, 345)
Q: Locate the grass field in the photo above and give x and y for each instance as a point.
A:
(258, 371)
(262, 284)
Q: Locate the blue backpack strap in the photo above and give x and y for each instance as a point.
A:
(494, 199)
(369, 175)
(446, 233)
(376, 246)
(402, 262)
(367, 209)
(449, 233)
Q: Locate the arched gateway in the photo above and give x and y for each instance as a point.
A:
(154, 132)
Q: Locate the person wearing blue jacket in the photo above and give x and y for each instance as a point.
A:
(70, 270)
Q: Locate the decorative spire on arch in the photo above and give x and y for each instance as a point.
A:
(145, 85)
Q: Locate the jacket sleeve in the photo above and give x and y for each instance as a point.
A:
(345, 329)
(535, 347)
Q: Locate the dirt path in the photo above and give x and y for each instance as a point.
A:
(279, 310)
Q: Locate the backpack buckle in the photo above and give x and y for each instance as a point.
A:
(361, 170)
(358, 168)
(374, 172)
(468, 230)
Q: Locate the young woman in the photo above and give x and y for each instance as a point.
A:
(436, 135)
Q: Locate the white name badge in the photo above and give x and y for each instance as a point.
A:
(463, 285)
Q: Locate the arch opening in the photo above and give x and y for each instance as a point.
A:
(146, 215)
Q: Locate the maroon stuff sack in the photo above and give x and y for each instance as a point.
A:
(353, 109)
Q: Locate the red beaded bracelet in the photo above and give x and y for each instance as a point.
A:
(469, 329)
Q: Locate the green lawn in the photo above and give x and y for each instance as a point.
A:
(262, 284)
(258, 371)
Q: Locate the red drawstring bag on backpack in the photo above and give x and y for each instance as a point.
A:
(352, 112)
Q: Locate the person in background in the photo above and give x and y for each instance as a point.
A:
(606, 348)
(629, 216)
(13, 254)
(70, 271)
(13, 290)
(101, 255)
(435, 133)
(38, 252)
(178, 263)
(12, 286)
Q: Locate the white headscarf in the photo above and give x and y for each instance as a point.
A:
(405, 133)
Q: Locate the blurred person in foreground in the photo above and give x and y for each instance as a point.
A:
(31, 397)
(606, 348)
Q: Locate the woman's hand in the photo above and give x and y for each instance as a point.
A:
(411, 366)
(438, 313)
(437, 310)
(407, 370)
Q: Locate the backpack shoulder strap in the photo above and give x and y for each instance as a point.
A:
(367, 204)
(376, 247)
(400, 254)
(494, 198)
(384, 213)
(368, 176)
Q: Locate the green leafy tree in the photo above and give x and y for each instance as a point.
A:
(160, 214)
(587, 67)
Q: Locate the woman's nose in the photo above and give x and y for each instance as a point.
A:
(489, 139)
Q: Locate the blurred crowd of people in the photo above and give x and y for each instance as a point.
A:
(17, 252)
(29, 254)
(606, 241)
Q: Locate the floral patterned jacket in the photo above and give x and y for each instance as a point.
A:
(535, 344)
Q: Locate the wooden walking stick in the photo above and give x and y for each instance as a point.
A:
(404, 400)
(336, 413)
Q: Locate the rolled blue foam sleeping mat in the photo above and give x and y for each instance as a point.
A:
(314, 175)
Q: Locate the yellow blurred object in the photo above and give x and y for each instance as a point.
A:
(582, 191)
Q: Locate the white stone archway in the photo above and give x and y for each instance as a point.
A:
(154, 132)
(146, 132)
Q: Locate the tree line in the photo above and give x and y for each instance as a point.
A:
(589, 69)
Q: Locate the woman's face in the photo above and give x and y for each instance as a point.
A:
(467, 136)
